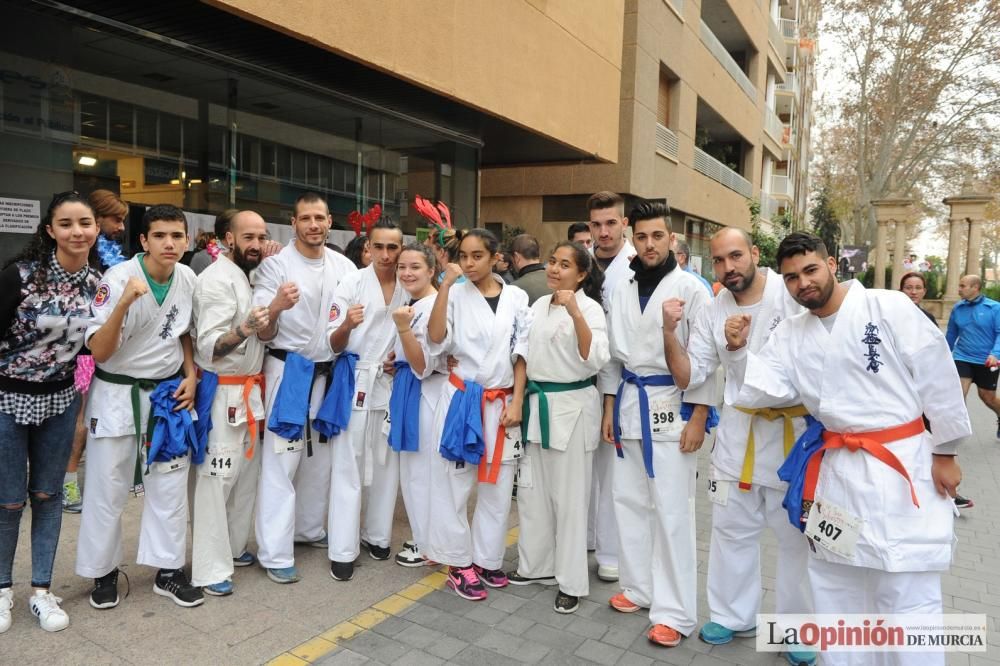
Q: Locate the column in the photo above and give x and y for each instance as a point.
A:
(880, 256)
(955, 247)
(900, 243)
(975, 251)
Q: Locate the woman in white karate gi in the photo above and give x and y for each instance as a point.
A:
(416, 271)
(567, 346)
(489, 339)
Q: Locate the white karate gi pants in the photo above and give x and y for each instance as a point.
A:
(415, 469)
(361, 446)
(294, 487)
(841, 589)
(223, 509)
(658, 566)
(734, 579)
(552, 521)
(602, 526)
(163, 527)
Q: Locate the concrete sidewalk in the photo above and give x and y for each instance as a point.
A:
(389, 614)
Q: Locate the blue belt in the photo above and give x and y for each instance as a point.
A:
(629, 377)
(335, 412)
(404, 409)
(793, 470)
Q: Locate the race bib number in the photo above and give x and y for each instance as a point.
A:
(386, 423)
(834, 528)
(523, 478)
(665, 416)
(513, 448)
(718, 491)
(285, 446)
(171, 466)
(220, 462)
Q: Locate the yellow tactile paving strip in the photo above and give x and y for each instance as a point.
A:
(319, 646)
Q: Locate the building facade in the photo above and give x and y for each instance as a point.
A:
(511, 111)
(715, 110)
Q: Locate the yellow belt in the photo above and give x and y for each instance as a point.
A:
(769, 413)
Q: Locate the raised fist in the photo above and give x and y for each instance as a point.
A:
(737, 330)
(673, 312)
(286, 297)
(402, 317)
(135, 288)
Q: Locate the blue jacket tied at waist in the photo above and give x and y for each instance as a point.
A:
(462, 439)
(404, 409)
(687, 409)
(290, 410)
(335, 412)
(793, 470)
(175, 432)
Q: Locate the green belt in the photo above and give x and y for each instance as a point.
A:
(137, 386)
(541, 388)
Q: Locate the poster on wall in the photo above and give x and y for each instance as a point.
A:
(19, 216)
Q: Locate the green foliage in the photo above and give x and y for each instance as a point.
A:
(765, 241)
(509, 232)
(824, 221)
(993, 292)
(936, 262)
(935, 285)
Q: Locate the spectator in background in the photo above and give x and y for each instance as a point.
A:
(203, 258)
(503, 267)
(579, 232)
(530, 270)
(974, 338)
(915, 287)
(111, 213)
(682, 253)
(910, 263)
(359, 252)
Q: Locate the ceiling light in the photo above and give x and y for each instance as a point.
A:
(87, 160)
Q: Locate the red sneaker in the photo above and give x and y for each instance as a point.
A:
(663, 635)
(621, 604)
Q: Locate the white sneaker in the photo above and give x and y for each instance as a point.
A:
(608, 574)
(45, 607)
(6, 603)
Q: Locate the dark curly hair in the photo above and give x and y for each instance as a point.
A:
(593, 284)
(41, 246)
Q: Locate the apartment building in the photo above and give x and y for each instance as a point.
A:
(714, 109)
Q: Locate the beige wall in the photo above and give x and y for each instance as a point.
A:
(520, 60)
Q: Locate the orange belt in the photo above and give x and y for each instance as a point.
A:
(872, 443)
(488, 472)
(248, 382)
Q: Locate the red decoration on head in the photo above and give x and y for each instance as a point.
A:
(439, 216)
(364, 221)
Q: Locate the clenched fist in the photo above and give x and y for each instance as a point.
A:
(135, 288)
(402, 317)
(286, 297)
(737, 330)
(355, 316)
(567, 299)
(256, 320)
(451, 274)
(673, 312)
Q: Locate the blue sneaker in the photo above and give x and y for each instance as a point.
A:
(714, 633)
(284, 576)
(245, 560)
(800, 657)
(223, 589)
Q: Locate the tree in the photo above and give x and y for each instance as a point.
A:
(824, 221)
(921, 100)
(766, 242)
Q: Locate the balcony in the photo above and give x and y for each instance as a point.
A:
(720, 173)
(790, 29)
(790, 86)
(773, 125)
(666, 142)
(781, 186)
(769, 206)
(776, 37)
(713, 44)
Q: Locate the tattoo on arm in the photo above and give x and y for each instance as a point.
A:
(227, 342)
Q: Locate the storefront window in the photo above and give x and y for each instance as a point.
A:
(158, 125)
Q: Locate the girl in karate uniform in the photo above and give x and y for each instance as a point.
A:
(567, 346)
(484, 324)
(420, 388)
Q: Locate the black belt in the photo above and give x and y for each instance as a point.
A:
(321, 369)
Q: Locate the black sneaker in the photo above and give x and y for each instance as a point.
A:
(342, 570)
(174, 584)
(963, 502)
(376, 552)
(515, 578)
(105, 592)
(566, 603)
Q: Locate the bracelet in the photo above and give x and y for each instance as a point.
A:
(405, 330)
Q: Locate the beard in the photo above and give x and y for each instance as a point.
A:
(244, 261)
(816, 301)
(746, 279)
